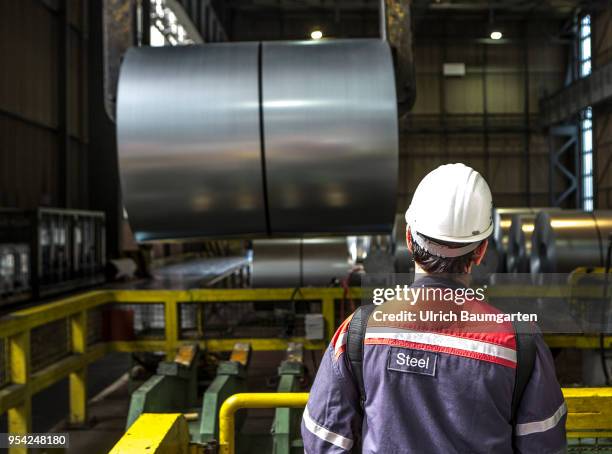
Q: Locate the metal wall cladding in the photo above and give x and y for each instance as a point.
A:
(202, 130)
(189, 141)
(331, 146)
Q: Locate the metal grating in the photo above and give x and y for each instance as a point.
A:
(259, 319)
(188, 314)
(4, 364)
(49, 343)
(94, 325)
(149, 319)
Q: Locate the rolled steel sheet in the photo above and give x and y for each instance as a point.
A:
(331, 140)
(276, 263)
(564, 241)
(189, 141)
(498, 244)
(324, 260)
(299, 262)
(190, 124)
(518, 251)
(502, 219)
(519, 243)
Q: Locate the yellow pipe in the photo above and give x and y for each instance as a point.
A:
(234, 403)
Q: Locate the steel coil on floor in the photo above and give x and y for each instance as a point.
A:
(495, 258)
(563, 241)
(299, 262)
(518, 249)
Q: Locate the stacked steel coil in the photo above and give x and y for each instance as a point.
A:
(563, 241)
(518, 250)
(495, 258)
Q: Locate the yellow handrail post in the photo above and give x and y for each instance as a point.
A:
(589, 412)
(232, 404)
(78, 378)
(20, 416)
(155, 433)
(329, 315)
(171, 326)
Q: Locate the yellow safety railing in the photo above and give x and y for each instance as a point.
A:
(251, 400)
(16, 329)
(589, 416)
(23, 382)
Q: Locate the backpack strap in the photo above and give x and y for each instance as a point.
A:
(354, 345)
(525, 360)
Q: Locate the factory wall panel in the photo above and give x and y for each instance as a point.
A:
(463, 94)
(428, 94)
(451, 122)
(603, 154)
(601, 42)
(77, 87)
(37, 165)
(28, 165)
(28, 51)
(601, 39)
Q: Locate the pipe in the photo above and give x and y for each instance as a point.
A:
(382, 12)
(227, 429)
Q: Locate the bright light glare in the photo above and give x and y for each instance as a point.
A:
(496, 35)
(317, 34)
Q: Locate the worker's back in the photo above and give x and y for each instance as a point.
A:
(437, 385)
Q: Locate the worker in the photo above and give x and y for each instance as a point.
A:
(423, 391)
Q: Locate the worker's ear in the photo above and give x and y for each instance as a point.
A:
(409, 240)
(480, 252)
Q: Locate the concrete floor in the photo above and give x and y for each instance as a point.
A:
(107, 424)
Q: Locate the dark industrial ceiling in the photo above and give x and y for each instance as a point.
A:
(289, 19)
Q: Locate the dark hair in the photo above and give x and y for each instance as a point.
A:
(434, 264)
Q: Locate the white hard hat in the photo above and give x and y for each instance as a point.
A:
(452, 203)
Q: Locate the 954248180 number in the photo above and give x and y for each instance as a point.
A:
(34, 440)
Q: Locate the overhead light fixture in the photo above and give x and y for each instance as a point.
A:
(316, 34)
(496, 34)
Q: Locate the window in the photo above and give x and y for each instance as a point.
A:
(586, 151)
(586, 117)
(165, 26)
(584, 49)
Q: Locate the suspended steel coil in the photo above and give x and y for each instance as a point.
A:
(258, 139)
